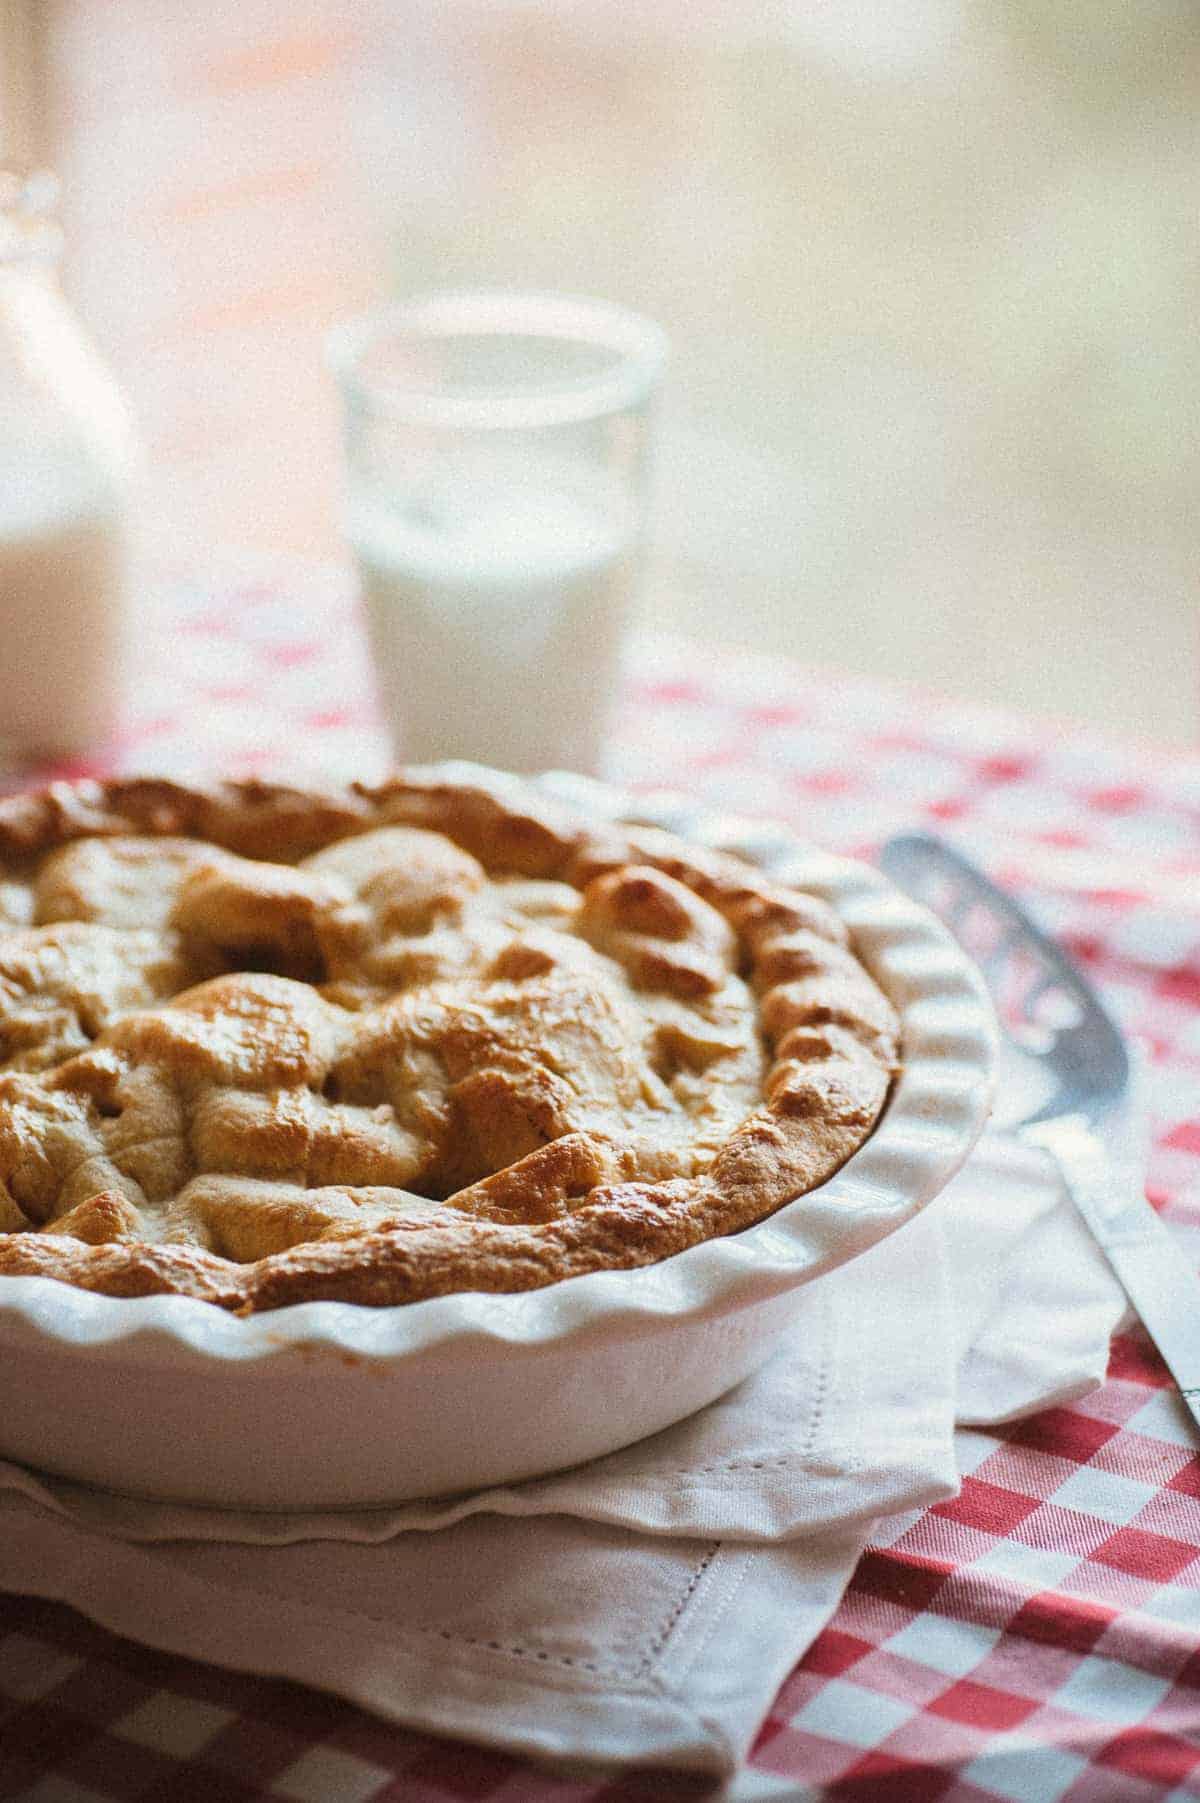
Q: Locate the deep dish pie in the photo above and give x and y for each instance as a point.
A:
(263, 1046)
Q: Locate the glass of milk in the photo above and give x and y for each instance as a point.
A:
(496, 452)
(68, 467)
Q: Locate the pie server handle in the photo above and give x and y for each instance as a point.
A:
(1151, 1266)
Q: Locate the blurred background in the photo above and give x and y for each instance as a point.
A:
(931, 269)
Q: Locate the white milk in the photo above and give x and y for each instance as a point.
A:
(495, 618)
(62, 598)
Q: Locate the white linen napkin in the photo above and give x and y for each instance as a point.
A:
(648, 1605)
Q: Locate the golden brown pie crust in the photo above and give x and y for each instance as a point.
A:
(261, 1045)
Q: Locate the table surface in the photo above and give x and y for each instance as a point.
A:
(1035, 1639)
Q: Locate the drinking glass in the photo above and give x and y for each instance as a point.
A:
(68, 483)
(496, 456)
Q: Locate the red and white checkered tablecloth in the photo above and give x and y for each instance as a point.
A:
(1038, 1638)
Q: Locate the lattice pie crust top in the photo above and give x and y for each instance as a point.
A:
(262, 1046)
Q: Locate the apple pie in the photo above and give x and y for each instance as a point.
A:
(262, 1046)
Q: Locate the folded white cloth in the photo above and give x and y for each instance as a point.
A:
(649, 1604)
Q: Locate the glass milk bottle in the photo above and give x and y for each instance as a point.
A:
(67, 466)
(496, 450)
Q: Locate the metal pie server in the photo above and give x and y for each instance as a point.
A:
(1071, 1069)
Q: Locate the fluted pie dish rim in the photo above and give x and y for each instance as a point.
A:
(937, 1106)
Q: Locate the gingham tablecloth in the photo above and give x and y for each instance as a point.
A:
(1036, 1639)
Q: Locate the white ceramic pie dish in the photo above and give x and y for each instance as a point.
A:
(338, 1405)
